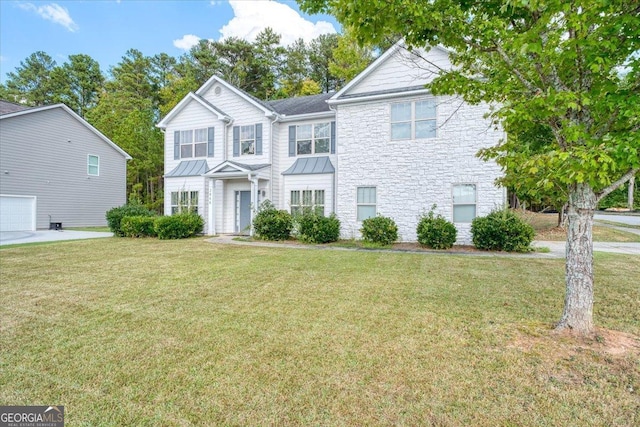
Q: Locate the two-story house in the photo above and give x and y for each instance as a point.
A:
(381, 145)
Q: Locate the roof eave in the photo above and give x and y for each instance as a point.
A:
(367, 98)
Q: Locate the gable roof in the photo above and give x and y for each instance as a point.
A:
(343, 94)
(186, 101)
(302, 104)
(233, 169)
(7, 107)
(73, 115)
(268, 111)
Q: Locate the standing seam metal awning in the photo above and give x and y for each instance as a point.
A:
(310, 165)
(189, 168)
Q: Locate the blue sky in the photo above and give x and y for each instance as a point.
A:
(105, 30)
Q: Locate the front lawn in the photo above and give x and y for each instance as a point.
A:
(148, 332)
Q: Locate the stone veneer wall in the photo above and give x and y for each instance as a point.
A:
(412, 175)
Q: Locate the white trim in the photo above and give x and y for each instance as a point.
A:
(475, 203)
(308, 116)
(381, 96)
(183, 103)
(89, 164)
(214, 79)
(75, 116)
(372, 67)
(34, 204)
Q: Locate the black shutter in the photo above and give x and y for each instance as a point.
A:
(292, 141)
(236, 141)
(176, 145)
(210, 138)
(333, 137)
(258, 138)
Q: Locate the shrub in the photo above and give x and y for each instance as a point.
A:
(138, 226)
(434, 231)
(114, 216)
(179, 226)
(315, 228)
(379, 229)
(272, 224)
(502, 230)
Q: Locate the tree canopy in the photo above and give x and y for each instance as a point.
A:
(127, 102)
(572, 68)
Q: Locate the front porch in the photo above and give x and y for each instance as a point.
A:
(235, 191)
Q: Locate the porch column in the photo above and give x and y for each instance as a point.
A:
(254, 200)
(212, 207)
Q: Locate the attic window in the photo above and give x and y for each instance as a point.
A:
(217, 90)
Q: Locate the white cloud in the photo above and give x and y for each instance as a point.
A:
(52, 12)
(251, 17)
(186, 42)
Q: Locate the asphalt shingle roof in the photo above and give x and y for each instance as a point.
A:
(7, 107)
(301, 104)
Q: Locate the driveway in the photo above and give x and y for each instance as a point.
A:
(19, 237)
(630, 219)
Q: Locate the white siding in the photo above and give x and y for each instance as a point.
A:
(193, 116)
(189, 183)
(309, 182)
(243, 113)
(403, 69)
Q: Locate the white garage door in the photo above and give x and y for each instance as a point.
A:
(17, 213)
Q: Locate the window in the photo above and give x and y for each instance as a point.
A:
(193, 143)
(366, 202)
(311, 199)
(413, 120)
(182, 201)
(93, 165)
(464, 202)
(247, 139)
(313, 139)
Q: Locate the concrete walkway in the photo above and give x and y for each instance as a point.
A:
(20, 237)
(557, 249)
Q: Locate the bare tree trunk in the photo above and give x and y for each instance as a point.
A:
(632, 183)
(578, 302)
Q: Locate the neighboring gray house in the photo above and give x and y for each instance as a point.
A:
(56, 167)
(381, 145)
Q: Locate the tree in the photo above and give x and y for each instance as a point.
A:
(78, 83)
(267, 60)
(320, 56)
(127, 113)
(349, 59)
(295, 68)
(553, 63)
(31, 82)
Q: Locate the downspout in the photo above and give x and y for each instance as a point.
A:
(335, 174)
(271, 158)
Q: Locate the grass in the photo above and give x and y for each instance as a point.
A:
(545, 226)
(102, 229)
(148, 332)
(618, 224)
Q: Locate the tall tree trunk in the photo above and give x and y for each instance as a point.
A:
(578, 302)
(632, 182)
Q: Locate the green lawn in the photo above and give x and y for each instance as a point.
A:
(148, 332)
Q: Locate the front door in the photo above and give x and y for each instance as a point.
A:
(243, 212)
